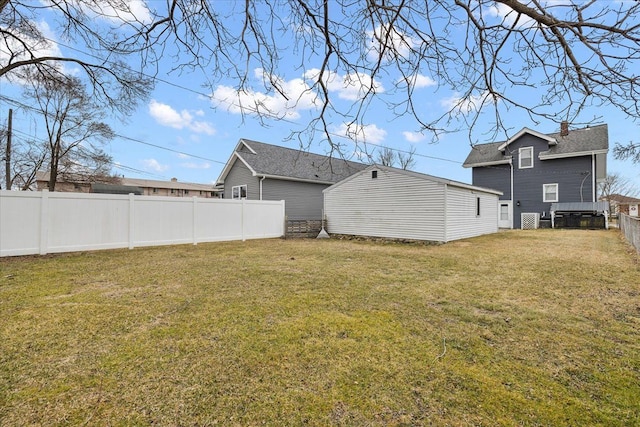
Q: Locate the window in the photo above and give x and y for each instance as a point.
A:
(550, 192)
(477, 206)
(186, 192)
(374, 174)
(504, 212)
(525, 158)
(155, 190)
(239, 192)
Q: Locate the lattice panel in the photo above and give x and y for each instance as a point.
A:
(529, 221)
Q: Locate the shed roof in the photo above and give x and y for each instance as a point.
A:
(578, 142)
(278, 162)
(421, 176)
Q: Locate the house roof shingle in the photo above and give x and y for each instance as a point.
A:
(287, 163)
(589, 139)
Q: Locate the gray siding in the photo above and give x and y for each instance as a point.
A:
(496, 177)
(241, 175)
(404, 206)
(572, 174)
(303, 200)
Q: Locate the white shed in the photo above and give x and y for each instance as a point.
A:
(387, 202)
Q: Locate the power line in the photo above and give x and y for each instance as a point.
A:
(128, 138)
(244, 107)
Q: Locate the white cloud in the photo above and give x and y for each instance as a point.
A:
(45, 47)
(298, 98)
(351, 87)
(424, 81)
(154, 165)
(166, 116)
(461, 105)
(389, 40)
(507, 15)
(370, 134)
(130, 11)
(413, 136)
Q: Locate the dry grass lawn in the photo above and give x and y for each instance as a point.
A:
(531, 328)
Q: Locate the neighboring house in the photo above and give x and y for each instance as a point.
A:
(122, 185)
(534, 170)
(259, 171)
(381, 201)
(622, 204)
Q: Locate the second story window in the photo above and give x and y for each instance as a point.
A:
(525, 158)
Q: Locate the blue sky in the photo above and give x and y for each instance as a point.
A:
(199, 128)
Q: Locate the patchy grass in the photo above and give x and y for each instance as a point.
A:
(517, 328)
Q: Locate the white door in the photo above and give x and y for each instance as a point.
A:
(505, 214)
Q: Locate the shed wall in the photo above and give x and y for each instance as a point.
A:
(392, 205)
(462, 218)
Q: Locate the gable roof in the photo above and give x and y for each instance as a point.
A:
(273, 161)
(417, 175)
(579, 142)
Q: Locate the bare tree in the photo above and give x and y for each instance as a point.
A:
(27, 158)
(26, 50)
(613, 185)
(406, 160)
(629, 151)
(386, 156)
(75, 133)
(390, 157)
(561, 56)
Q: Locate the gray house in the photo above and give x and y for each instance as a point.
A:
(381, 201)
(259, 171)
(534, 170)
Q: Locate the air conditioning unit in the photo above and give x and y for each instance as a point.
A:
(529, 220)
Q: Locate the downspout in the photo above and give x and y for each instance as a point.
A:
(593, 173)
(261, 179)
(512, 204)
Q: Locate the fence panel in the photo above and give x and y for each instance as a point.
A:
(630, 227)
(43, 222)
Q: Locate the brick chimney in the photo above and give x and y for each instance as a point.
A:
(564, 128)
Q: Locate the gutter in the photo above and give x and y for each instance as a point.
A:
(261, 179)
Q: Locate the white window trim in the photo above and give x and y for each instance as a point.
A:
(239, 187)
(520, 151)
(544, 193)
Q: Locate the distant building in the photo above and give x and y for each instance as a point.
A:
(259, 171)
(622, 204)
(122, 185)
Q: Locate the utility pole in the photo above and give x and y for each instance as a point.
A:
(7, 157)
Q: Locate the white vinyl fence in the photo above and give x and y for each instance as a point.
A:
(630, 227)
(44, 222)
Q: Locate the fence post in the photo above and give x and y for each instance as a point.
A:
(242, 219)
(194, 219)
(44, 222)
(132, 218)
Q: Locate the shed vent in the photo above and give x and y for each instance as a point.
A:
(529, 220)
